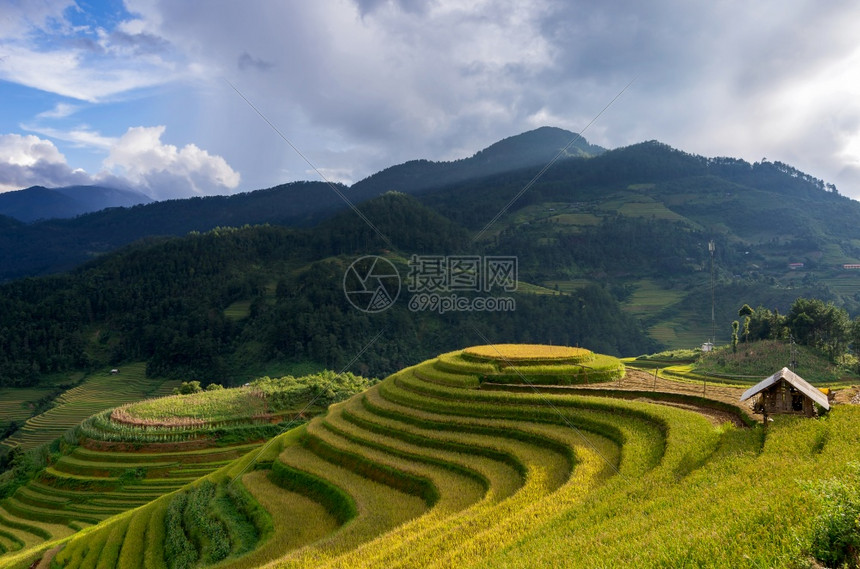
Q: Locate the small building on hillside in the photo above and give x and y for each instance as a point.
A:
(786, 392)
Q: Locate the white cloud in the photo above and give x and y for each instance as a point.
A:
(393, 81)
(29, 160)
(21, 17)
(359, 85)
(167, 171)
(41, 48)
(28, 150)
(71, 73)
(60, 111)
(138, 160)
(80, 136)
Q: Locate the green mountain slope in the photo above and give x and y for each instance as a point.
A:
(607, 248)
(224, 305)
(58, 245)
(62, 244)
(639, 219)
(533, 148)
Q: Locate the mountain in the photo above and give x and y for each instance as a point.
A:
(639, 220)
(624, 233)
(60, 244)
(7, 222)
(37, 202)
(533, 148)
(229, 302)
(618, 253)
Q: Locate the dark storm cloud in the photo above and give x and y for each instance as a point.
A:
(375, 82)
(246, 61)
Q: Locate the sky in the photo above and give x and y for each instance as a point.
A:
(180, 98)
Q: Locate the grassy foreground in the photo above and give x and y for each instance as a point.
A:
(426, 469)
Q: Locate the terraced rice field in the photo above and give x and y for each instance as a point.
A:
(846, 283)
(238, 310)
(426, 469)
(418, 461)
(682, 331)
(16, 403)
(134, 454)
(100, 391)
(633, 205)
(649, 298)
(576, 219)
(101, 479)
(528, 288)
(568, 286)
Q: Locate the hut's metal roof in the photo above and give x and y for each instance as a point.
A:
(801, 384)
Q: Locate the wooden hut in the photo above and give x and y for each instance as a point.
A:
(786, 392)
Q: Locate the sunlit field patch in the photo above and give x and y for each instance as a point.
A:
(528, 353)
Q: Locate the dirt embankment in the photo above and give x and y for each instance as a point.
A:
(645, 382)
(636, 381)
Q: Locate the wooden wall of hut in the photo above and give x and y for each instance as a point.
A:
(782, 398)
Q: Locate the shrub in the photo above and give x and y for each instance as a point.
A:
(323, 389)
(187, 388)
(836, 530)
(178, 549)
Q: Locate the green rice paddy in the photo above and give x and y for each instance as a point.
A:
(427, 469)
(99, 391)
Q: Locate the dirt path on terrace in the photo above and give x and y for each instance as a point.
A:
(642, 381)
(637, 380)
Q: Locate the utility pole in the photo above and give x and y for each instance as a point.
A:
(711, 249)
(793, 364)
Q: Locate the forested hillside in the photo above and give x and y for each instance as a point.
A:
(613, 253)
(166, 302)
(62, 244)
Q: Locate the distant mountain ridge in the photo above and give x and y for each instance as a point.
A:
(532, 148)
(60, 244)
(37, 202)
(721, 195)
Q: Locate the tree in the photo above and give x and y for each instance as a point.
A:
(762, 324)
(854, 336)
(818, 324)
(187, 388)
(735, 325)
